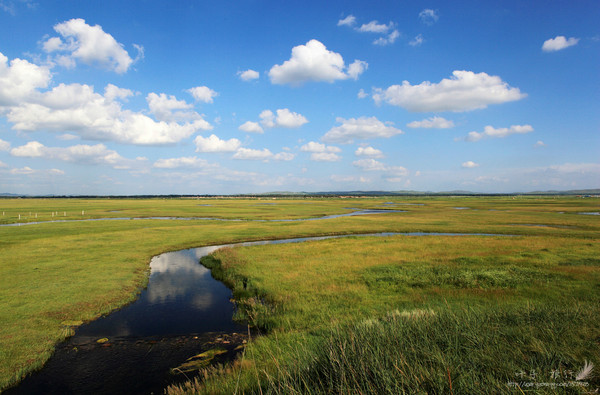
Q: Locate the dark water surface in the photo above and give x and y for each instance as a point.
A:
(182, 312)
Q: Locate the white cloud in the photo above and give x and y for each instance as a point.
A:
(558, 43)
(267, 118)
(470, 164)
(464, 91)
(417, 41)
(251, 127)
(428, 16)
(350, 20)
(112, 92)
(362, 94)
(67, 137)
(432, 123)
(248, 75)
(215, 144)
(369, 165)
(263, 155)
(81, 154)
(190, 161)
(253, 154)
(165, 108)
(375, 27)
(387, 40)
(287, 119)
(359, 128)
(490, 131)
(390, 173)
(321, 152)
(4, 145)
(203, 94)
(89, 44)
(2, 164)
(284, 156)
(20, 80)
(284, 119)
(539, 144)
(26, 171)
(77, 108)
(344, 178)
(313, 62)
(368, 151)
(325, 157)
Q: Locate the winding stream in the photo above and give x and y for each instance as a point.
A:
(182, 312)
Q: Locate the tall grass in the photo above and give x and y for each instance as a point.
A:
(414, 315)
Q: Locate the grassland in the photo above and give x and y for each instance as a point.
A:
(56, 275)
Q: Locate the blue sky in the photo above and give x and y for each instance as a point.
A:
(198, 97)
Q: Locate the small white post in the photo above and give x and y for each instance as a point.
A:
(65, 214)
(36, 215)
(82, 212)
(19, 216)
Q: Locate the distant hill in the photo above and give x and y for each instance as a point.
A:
(574, 192)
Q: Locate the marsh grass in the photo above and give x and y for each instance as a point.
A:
(55, 276)
(414, 315)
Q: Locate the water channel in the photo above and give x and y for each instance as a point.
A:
(182, 312)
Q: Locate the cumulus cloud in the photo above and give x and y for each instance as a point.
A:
(321, 152)
(313, 146)
(464, 91)
(169, 109)
(359, 128)
(203, 94)
(77, 108)
(369, 165)
(389, 173)
(428, 16)
(81, 154)
(284, 118)
(287, 119)
(88, 44)
(27, 171)
(387, 40)
(432, 123)
(369, 151)
(350, 20)
(112, 92)
(248, 75)
(362, 94)
(20, 80)
(325, 157)
(539, 144)
(284, 156)
(313, 62)
(253, 154)
(215, 144)
(558, 43)
(490, 131)
(263, 155)
(251, 127)
(470, 164)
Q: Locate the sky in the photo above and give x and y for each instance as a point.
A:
(248, 96)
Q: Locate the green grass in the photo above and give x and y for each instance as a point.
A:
(462, 314)
(54, 276)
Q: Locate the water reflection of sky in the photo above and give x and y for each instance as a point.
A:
(181, 298)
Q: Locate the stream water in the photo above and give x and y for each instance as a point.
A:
(182, 312)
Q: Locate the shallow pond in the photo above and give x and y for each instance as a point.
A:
(182, 312)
